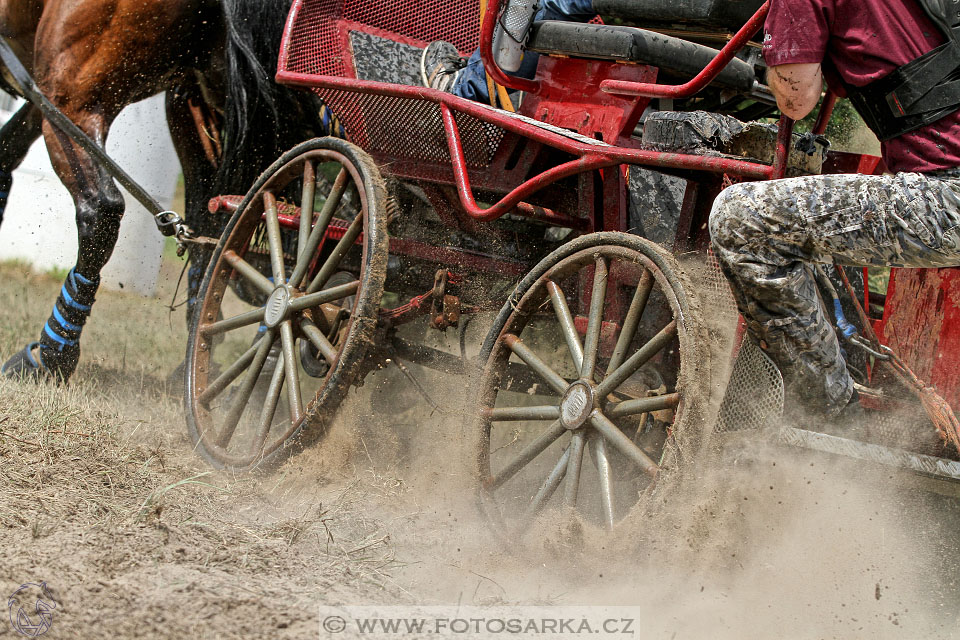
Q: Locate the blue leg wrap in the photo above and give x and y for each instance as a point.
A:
(57, 352)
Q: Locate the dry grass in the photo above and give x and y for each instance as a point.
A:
(104, 500)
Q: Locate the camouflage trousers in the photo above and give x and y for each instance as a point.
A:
(765, 233)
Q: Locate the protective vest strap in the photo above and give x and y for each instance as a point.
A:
(920, 92)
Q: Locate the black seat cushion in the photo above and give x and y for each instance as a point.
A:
(628, 44)
(725, 15)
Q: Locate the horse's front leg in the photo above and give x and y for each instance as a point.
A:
(99, 207)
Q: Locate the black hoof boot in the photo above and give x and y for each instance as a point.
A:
(39, 362)
(24, 365)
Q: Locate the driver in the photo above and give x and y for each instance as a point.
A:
(896, 60)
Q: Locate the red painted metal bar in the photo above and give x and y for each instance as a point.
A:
(543, 214)
(784, 142)
(512, 199)
(486, 54)
(826, 111)
(623, 155)
(290, 219)
(455, 257)
(705, 77)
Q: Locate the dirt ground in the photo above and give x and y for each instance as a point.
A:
(102, 499)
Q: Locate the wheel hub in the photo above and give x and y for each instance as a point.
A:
(276, 308)
(577, 405)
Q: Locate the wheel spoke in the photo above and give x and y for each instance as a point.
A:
(567, 325)
(510, 414)
(309, 247)
(306, 206)
(551, 377)
(643, 405)
(242, 320)
(317, 339)
(548, 488)
(273, 238)
(595, 319)
(322, 297)
(530, 452)
(233, 371)
(626, 446)
(637, 360)
(269, 407)
(336, 256)
(240, 403)
(249, 272)
(288, 345)
(599, 449)
(632, 320)
(574, 465)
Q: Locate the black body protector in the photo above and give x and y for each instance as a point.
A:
(922, 91)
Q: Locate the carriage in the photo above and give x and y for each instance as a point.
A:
(576, 218)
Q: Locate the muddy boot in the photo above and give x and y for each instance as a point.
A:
(56, 354)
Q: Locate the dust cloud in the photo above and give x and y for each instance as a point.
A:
(751, 541)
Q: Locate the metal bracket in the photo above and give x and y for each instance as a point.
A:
(444, 308)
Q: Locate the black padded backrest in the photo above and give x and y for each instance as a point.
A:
(726, 15)
(628, 44)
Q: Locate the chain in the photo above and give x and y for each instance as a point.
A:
(171, 224)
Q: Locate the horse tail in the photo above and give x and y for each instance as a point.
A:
(261, 118)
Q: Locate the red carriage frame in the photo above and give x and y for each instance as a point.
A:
(462, 151)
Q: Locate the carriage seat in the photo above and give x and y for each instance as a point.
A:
(710, 15)
(628, 44)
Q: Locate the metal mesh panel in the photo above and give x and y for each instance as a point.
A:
(754, 397)
(716, 287)
(413, 130)
(328, 33)
(908, 428)
(517, 18)
(315, 46)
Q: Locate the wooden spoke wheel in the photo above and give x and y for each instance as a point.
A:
(267, 368)
(590, 423)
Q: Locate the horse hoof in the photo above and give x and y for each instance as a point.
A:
(28, 364)
(24, 366)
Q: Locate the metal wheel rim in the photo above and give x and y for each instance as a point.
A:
(240, 236)
(537, 295)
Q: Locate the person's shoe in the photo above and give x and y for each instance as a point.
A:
(440, 65)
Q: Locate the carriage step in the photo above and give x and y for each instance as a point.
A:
(940, 468)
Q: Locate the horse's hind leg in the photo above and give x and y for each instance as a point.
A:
(99, 207)
(16, 136)
(195, 135)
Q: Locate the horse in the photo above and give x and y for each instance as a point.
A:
(215, 59)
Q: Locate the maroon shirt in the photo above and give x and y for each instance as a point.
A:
(859, 41)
